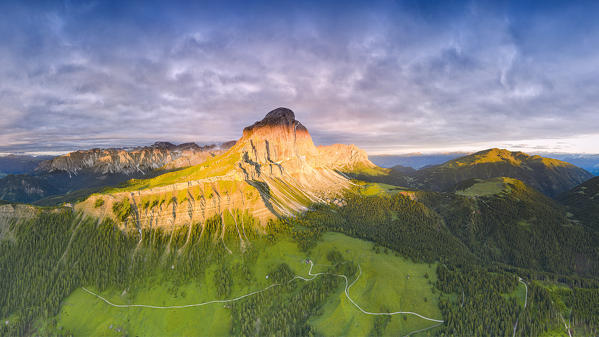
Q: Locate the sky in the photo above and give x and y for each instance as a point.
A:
(389, 76)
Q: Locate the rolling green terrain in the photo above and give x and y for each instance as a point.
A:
(371, 189)
(550, 176)
(503, 219)
(481, 188)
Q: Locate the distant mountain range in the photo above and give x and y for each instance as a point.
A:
(20, 164)
(549, 176)
(268, 146)
(589, 162)
(160, 155)
(416, 160)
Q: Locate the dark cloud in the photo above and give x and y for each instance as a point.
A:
(385, 76)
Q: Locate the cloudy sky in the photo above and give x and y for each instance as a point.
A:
(390, 76)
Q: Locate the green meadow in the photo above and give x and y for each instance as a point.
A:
(371, 189)
(388, 283)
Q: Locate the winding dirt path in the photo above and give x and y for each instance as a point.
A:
(525, 302)
(296, 277)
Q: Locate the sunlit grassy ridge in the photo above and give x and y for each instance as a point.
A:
(500, 155)
(362, 169)
(213, 167)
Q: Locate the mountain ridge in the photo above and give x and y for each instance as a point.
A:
(550, 176)
(273, 170)
(163, 155)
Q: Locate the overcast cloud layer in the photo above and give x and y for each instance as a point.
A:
(390, 77)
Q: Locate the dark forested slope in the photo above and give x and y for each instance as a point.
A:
(583, 203)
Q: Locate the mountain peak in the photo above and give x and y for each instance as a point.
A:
(278, 117)
(276, 138)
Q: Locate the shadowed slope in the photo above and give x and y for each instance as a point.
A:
(583, 203)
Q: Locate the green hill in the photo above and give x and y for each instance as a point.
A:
(550, 176)
(446, 256)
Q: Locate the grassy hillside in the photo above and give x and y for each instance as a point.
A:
(444, 255)
(213, 167)
(485, 187)
(549, 176)
(388, 283)
(372, 189)
(195, 264)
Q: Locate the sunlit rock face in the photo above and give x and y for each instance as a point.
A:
(274, 145)
(280, 143)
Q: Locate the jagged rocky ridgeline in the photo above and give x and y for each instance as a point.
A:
(274, 169)
(140, 159)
